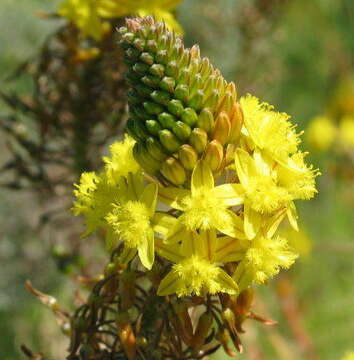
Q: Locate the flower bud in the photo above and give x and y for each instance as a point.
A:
(222, 128)
(169, 141)
(160, 97)
(126, 335)
(175, 107)
(168, 84)
(206, 120)
(236, 122)
(181, 130)
(189, 116)
(153, 127)
(187, 156)
(198, 140)
(214, 154)
(167, 120)
(155, 149)
(173, 171)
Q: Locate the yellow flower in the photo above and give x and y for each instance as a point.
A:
(94, 199)
(263, 259)
(346, 132)
(321, 133)
(348, 356)
(160, 9)
(122, 161)
(268, 188)
(195, 272)
(298, 240)
(204, 207)
(85, 15)
(268, 130)
(131, 221)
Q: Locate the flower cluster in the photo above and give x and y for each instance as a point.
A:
(91, 16)
(202, 181)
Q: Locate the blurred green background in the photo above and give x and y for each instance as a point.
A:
(293, 54)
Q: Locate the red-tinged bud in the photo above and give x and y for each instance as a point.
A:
(224, 338)
(236, 119)
(222, 128)
(214, 154)
(126, 335)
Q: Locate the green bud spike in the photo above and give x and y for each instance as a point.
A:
(196, 101)
(169, 141)
(187, 156)
(198, 140)
(162, 57)
(151, 81)
(189, 116)
(157, 70)
(155, 149)
(168, 84)
(167, 120)
(182, 93)
(153, 127)
(133, 97)
(172, 69)
(147, 58)
(214, 154)
(152, 108)
(173, 171)
(175, 107)
(161, 97)
(179, 104)
(141, 68)
(206, 120)
(145, 159)
(181, 130)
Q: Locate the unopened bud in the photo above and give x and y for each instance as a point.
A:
(182, 92)
(147, 58)
(222, 128)
(173, 171)
(167, 120)
(153, 127)
(175, 107)
(206, 120)
(236, 122)
(168, 84)
(169, 141)
(189, 116)
(197, 100)
(181, 130)
(126, 335)
(157, 70)
(214, 154)
(198, 139)
(187, 156)
(155, 149)
(161, 97)
(151, 81)
(152, 108)
(141, 68)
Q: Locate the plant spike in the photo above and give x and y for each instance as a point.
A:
(179, 102)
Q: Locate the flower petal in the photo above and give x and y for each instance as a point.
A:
(146, 250)
(169, 284)
(163, 223)
(230, 194)
(170, 252)
(292, 216)
(173, 196)
(228, 284)
(149, 197)
(229, 249)
(233, 226)
(202, 176)
(245, 166)
(252, 221)
(273, 223)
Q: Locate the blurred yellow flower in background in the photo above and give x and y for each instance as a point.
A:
(321, 133)
(89, 15)
(349, 356)
(346, 132)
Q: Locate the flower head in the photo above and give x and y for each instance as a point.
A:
(263, 259)
(122, 161)
(85, 15)
(270, 131)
